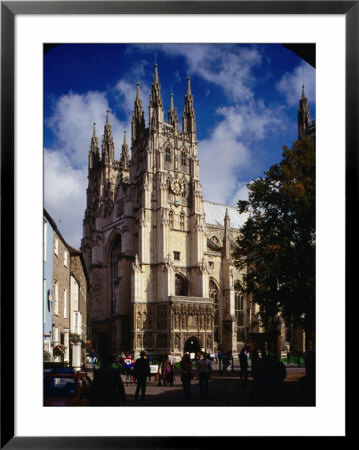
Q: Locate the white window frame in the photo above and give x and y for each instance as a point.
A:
(65, 258)
(65, 303)
(56, 247)
(55, 337)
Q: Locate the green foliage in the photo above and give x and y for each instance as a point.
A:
(277, 241)
(47, 356)
(75, 339)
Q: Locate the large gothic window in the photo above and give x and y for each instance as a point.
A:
(214, 293)
(239, 308)
(182, 220)
(183, 158)
(168, 155)
(114, 257)
(181, 285)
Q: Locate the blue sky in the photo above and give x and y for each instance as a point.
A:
(245, 98)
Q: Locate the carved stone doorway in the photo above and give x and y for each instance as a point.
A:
(192, 346)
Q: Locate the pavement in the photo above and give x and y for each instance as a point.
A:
(224, 389)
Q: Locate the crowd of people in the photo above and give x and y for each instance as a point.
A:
(268, 387)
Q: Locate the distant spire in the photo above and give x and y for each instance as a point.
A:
(155, 75)
(303, 116)
(155, 106)
(188, 116)
(189, 86)
(303, 93)
(94, 153)
(172, 113)
(124, 154)
(138, 119)
(108, 148)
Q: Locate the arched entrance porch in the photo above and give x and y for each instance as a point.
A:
(192, 346)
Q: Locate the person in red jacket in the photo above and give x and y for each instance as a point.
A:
(128, 362)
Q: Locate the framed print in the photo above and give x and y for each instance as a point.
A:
(135, 29)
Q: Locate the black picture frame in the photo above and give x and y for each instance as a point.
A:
(9, 9)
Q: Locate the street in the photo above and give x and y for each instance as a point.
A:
(226, 390)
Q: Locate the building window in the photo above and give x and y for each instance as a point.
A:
(176, 256)
(239, 309)
(77, 323)
(184, 189)
(168, 154)
(56, 247)
(214, 293)
(215, 241)
(55, 335)
(170, 219)
(182, 221)
(74, 294)
(181, 285)
(56, 298)
(65, 303)
(183, 158)
(65, 258)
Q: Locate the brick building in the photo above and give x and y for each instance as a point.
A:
(67, 297)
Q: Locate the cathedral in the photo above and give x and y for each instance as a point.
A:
(158, 255)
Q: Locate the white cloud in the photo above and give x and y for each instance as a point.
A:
(226, 66)
(291, 84)
(229, 151)
(71, 123)
(65, 194)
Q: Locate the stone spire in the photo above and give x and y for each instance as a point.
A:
(303, 116)
(124, 154)
(138, 118)
(188, 117)
(156, 106)
(172, 114)
(94, 153)
(108, 148)
(226, 242)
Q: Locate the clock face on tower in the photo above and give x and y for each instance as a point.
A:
(176, 187)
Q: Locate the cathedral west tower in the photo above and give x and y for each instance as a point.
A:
(161, 278)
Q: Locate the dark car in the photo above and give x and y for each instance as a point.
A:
(69, 388)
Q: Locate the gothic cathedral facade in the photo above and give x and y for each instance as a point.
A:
(157, 254)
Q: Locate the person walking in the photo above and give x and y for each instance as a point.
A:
(186, 370)
(141, 371)
(107, 388)
(93, 357)
(166, 372)
(128, 363)
(172, 361)
(204, 373)
(243, 362)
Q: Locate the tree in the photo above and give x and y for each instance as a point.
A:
(277, 242)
